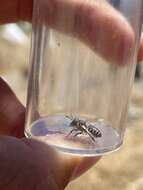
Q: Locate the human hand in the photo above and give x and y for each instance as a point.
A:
(28, 164)
(96, 23)
(89, 17)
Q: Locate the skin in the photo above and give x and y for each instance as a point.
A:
(27, 164)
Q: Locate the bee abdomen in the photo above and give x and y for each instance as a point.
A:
(94, 131)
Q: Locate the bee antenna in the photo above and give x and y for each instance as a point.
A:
(70, 117)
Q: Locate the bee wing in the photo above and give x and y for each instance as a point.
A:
(90, 134)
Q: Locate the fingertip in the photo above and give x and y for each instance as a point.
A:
(84, 164)
(119, 39)
(106, 31)
(126, 43)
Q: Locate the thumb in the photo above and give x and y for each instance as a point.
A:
(29, 164)
(61, 167)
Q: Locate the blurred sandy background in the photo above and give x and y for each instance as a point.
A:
(122, 170)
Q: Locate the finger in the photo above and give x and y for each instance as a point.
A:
(13, 11)
(140, 54)
(12, 113)
(95, 23)
(29, 164)
(64, 167)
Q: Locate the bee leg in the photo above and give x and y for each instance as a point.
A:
(92, 137)
(72, 131)
(79, 133)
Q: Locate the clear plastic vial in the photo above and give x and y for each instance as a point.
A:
(83, 61)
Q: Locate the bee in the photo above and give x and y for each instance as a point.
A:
(80, 126)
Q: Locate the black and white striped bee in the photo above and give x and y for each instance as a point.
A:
(80, 126)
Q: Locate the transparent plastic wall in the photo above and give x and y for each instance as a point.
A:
(83, 60)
